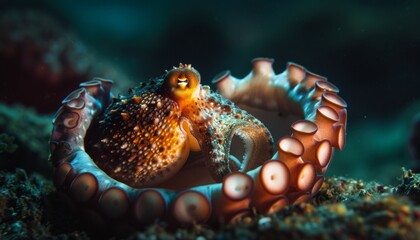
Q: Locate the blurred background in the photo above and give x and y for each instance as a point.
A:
(370, 50)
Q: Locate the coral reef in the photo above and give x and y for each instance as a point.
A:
(343, 208)
(38, 53)
(410, 186)
(30, 132)
(29, 209)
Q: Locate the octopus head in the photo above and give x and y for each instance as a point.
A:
(182, 83)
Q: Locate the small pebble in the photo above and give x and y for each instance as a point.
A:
(264, 224)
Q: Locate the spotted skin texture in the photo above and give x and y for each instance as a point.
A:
(141, 140)
(215, 120)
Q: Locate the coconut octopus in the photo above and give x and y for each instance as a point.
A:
(126, 161)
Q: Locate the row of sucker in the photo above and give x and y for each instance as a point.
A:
(293, 175)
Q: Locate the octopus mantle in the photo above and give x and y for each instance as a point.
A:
(113, 165)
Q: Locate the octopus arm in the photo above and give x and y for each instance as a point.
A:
(217, 140)
(294, 91)
(258, 145)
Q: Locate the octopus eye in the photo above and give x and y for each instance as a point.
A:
(181, 83)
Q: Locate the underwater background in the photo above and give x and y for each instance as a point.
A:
(369, 49)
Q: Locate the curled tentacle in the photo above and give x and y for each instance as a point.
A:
(299, 92)
(216, 130)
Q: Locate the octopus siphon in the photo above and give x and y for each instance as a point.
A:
(162, 151)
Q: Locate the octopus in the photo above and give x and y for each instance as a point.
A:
(148, 134)
(162, 151)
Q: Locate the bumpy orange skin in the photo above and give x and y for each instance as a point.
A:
(141, 140)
